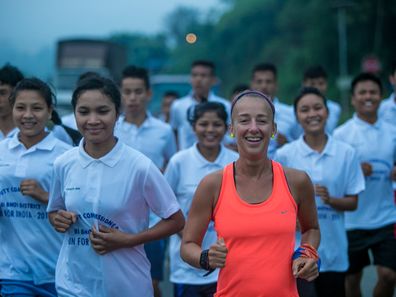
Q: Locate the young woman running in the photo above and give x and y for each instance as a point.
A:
(334, 169)
(184, 172)
(102, 194)
(29, 246)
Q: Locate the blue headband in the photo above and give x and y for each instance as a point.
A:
(255, 93)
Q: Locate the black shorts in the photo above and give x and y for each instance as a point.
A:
(381, 242)
(155, 251)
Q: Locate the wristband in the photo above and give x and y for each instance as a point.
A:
(307, 251)
(204, 262)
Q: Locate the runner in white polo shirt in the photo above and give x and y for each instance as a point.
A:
(29, 246)
(137, 127)
(265, 79)
(372, 225)
(184, 172)
(150, 136)
(335, 172)
(103, 192)
(203, 78)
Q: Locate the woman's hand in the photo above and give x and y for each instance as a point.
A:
(217, 254)
(62, 220)
(106, 239)
(31, 187)
(305, 268)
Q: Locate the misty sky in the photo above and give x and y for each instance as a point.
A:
(29, 25)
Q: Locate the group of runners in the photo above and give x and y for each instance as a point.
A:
(252, 197)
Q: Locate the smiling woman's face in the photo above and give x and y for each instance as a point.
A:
(253, 125)
(30, 113)
(95, 116)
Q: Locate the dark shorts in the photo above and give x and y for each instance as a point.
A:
(12, 288)
(381, 242)
(155, 251)
(305, 288)
(330, 284)
(186, 290)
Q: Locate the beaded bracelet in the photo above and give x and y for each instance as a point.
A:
(307, 251)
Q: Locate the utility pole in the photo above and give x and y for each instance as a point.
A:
(343, 80)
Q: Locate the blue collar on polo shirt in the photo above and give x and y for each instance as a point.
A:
(110, 159)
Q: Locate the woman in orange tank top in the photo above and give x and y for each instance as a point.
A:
(254, 204)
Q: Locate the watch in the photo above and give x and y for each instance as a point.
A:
(204, 260)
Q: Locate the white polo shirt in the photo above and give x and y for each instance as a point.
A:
(285, 122)
(334, 115)
(185, 171)
(153, 138)
(338, 169)
(375, 144)
(178, 118)
(29, 246)
(10, 134)
(117, 191)
(387, 110)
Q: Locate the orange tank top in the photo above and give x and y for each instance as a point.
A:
(259, 239)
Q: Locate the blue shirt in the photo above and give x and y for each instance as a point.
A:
(285, 122)
(29, 245)
(184, 172)
(117, 191)
(387, 110)
(376, 145)
(338, 169)
(10, 134)
(154, 138)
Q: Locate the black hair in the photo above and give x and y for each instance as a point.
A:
(104, 85)
(34, 84)
(10, 75)
(86, 75)
(316, 71)
(240, 88)
(265, 67)
(132, 71)
(195, 112)
(365, 76)
(171, 93)
(73, 134)
(55, 118)
(308, 91)
(205, 63)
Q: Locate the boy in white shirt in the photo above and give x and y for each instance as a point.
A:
(140, 130)
(203, 78)
(371, 226)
